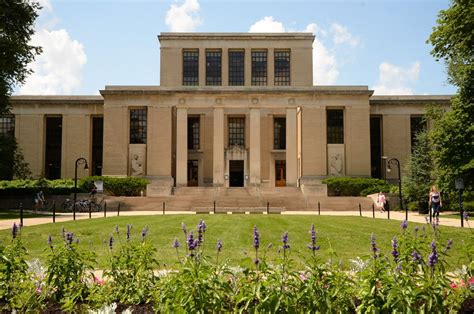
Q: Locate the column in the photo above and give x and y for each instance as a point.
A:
(181, 147)
(225, 67)
(248, 67)
(291, 148)
(254, 146)
(270, 67)
(202, 67)
(218, 147)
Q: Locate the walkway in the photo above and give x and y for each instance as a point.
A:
(412, 217)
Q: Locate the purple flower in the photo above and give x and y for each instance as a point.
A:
(201, 229)
(129, 231)
(191, 242)
(144, 232)
(433, 257)
(14, 230)
(176, 243)
(415, 256)
(404, 224)
(284, 239)
(256, 238)
(183, 226)
(219, 245)
(69, 237)
(374, 245)
(111, 242)
(465, 215)
(50, 241)
(448, 245)
(312, 246)
(395, 252)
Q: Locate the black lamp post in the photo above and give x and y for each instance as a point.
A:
(396, 162)
(79, 161)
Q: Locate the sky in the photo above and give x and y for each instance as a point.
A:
(89, 44)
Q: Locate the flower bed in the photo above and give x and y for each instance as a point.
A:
(411, 277)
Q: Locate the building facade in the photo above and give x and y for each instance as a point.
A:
(232, 110)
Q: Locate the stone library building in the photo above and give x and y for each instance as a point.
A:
(231, 110)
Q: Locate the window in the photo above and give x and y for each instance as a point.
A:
(193, 132)
(191, 67)
(213, 68)
(237, 131)
(53, 148)
(279, 133)
(137, 126)
(417, 124)
(259, 68)
(335, 126)
(282, 67)
(7, 125)
(236, 68)
(97, 145)
(376, 146)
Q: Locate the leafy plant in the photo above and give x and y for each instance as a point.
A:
(345, 186)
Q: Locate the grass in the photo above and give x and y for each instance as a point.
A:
(15, 214)
(349, 237)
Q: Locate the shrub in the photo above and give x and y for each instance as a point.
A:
(345, 186)
(31, 187)
(128, 186)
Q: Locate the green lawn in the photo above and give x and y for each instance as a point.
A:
(15, 214)
(348, 236)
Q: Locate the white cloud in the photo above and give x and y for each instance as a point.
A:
(58, 70)
(341, 35)
(184, 17)
(325, 67)
(394, 80)
(267, 25)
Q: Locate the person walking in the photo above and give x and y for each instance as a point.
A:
(381, 201)
(434, 201)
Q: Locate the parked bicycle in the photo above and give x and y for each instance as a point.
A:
(81, 206)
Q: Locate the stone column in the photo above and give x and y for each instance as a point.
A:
(254, 146)
(291, 147)
(202, 67)
(270, 67)
(218, 147)
(248, 67)
(225, 67)
(181, 147)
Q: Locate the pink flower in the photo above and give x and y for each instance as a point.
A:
(98, 281)
(38, 290)
(453, 285)
(303, 276)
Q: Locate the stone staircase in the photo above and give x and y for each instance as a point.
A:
(239, 199)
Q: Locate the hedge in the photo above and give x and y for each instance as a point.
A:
(128, 186)
(346, 186)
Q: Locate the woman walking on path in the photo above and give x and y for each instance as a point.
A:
(381, 201)
(434, 201)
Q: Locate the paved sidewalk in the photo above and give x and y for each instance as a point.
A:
(412, 217)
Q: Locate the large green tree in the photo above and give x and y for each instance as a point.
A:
(17, 19)
(453, 132)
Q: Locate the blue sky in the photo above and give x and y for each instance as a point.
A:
(382, 44)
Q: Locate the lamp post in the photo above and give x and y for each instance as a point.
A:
(79, 161)
(395, 161)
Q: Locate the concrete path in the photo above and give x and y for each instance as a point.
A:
(412, 217)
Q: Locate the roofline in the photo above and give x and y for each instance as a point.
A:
(57, 99)
(237, 35)
(397, 99)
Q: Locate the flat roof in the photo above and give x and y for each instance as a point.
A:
(58, 99)
(397, 99)
(240, 36)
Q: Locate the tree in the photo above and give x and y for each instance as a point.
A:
(453, 132)
(419, 170)
(16, 28)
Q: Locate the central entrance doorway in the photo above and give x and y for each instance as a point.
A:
(193, 173)
(236, 173)
(280, 172)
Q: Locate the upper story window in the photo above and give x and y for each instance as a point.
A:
(335, 126)
(7, 125)
(137, 126)
(259, 68)
(282, 67)
(279, 133)
(190, 67)
(236, 68)
(193, 132)
(213, 67)
(417, 124)
(237, 131)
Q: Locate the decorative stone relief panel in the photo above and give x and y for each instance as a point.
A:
(137, 159)
(336, 158)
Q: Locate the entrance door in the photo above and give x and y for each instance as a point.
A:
(280, 172)
(236, 173)
(192, 173)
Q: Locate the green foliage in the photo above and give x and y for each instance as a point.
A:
(28, 187)
(17, 26)
(128, 186)
(345, 186)
(417, 182)
(453, 132)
